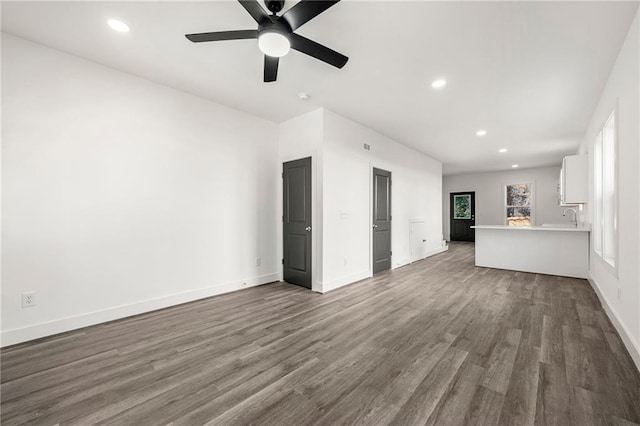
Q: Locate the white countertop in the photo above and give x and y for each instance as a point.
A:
(582, 228)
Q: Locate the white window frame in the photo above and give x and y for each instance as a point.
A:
(532, 185)
(605, 210)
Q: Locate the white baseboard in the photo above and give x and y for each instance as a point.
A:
(628, 340)
(36, 331)
(430, 253)
(350, 279)
(346, 280)
(437, 251)
(401, 262)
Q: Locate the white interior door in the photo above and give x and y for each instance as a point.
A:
(417, 239)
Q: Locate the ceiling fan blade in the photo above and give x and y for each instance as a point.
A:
(318, 51)
(222, 35)
(256, 11)
(305, 10)
(270, 68)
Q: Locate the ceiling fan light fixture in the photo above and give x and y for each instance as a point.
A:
(439, 84)
(273, 43)
(118, 25)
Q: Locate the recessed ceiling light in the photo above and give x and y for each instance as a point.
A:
(481, 133)
(515, 166)
(502, 150)
(304, 96)
(438, 84)
(118, 26)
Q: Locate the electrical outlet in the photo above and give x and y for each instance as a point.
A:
(29, 299)
(258, 261)
(345, 261)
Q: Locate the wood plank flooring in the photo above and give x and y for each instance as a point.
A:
(436, 342)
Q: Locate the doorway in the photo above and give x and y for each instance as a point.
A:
(462, 213)
(381, 220)
(296, 222)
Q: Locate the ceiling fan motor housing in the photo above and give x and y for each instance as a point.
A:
(279, 26)
(274, 6)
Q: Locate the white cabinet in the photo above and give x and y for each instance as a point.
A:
(551, 251)
(573, 180)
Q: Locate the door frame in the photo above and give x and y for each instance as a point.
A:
(387, 168)
(316, 229)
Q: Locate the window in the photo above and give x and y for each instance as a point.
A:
(605, 237)
(519, 202)
(462, 206)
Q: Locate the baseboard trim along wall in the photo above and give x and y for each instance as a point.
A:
(353, 278)
(36, 331)
(346, 280)
(437, 251)
(631, 345)
(402, 262)
(432, 252)
(44, 329)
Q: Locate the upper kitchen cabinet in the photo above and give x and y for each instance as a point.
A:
(573, 180)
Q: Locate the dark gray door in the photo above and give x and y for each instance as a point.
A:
(462, 210)
(381, 220)
(296, 217)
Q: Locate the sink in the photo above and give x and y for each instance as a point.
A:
(559, 225)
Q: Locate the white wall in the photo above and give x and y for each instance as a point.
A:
(130, 196)
(619, 289)
(348, 168)
(342, 178)
(490, 195)
(121, 195)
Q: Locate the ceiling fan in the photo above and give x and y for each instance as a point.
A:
(276, 35)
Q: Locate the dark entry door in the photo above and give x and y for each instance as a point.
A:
(462, 211)
(381, 220)
(296, 217)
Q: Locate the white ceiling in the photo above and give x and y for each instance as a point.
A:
(530, 73)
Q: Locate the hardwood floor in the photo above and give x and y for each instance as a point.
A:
(436, 342)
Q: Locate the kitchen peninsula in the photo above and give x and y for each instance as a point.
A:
(548, 249)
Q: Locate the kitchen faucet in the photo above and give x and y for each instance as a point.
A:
(575, 215)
